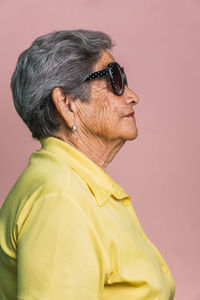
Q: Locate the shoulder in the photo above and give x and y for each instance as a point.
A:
(47, 187)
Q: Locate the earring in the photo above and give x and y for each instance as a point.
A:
(74, 128)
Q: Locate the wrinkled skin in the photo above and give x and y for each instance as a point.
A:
(102, 128)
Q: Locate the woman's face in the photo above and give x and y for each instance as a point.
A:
(105, 115)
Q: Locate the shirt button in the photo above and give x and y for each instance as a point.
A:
(164, 269)
(126, 202)
(144, 236)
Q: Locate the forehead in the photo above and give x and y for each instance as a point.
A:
(105, 59)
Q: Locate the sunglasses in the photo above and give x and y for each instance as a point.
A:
(116, 74)
(117, 77)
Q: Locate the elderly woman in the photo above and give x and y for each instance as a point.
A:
(67, 229)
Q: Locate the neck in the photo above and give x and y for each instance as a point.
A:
(100, 152)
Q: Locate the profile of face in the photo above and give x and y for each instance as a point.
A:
(105, 115)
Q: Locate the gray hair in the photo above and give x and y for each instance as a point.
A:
(58, 59)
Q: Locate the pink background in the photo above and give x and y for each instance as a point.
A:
(158, 43)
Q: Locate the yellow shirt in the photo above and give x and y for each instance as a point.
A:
(69, 231)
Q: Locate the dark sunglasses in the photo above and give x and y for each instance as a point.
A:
(116, 74)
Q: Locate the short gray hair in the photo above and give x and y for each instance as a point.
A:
(58, 59)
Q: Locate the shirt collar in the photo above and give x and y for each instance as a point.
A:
(101, 184)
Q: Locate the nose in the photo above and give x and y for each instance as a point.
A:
(131, 96)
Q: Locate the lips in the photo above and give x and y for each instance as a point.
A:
(131, 114)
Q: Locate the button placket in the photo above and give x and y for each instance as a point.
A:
(144, 236)
(165, 269)
(126, 202)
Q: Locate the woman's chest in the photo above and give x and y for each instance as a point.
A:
(137, 269)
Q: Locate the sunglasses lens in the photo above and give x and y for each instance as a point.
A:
(117, 76)
(125, 79)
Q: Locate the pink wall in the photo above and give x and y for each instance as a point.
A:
(158, 43)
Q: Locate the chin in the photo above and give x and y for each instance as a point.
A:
(129, 136)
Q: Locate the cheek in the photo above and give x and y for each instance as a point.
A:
(109, 117)
(104, 116)
(102, 110)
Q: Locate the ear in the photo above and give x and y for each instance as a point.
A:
(65, 105)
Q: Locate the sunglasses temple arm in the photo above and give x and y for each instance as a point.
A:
(97, 74)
